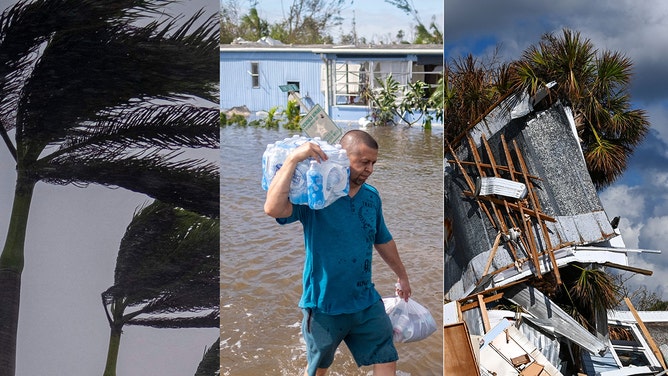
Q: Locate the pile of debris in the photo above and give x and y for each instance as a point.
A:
(521, 210)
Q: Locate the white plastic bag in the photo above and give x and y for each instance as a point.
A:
(410, 321)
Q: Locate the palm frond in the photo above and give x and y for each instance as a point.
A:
(167, 264)
(188, 183)
(210, 364)
(169, 126)
(71, 83)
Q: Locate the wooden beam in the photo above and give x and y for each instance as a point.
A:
(483, 313)
(471, 305)
(645, 332)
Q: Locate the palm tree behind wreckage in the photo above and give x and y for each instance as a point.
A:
(93, 92)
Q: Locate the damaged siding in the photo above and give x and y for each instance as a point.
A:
(566, 196)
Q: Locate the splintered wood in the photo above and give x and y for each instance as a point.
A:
(519, 222)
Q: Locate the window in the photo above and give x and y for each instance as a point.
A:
(255, 75)
(629, 349)
(353, 79)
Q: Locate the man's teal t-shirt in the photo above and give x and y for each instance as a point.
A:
(339, 243)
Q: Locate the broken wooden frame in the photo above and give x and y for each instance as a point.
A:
(515, 220)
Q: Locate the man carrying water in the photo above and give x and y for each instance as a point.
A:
(339, 300)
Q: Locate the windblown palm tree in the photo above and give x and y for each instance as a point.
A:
(594, 84)
(210, 364)
(91, 92)
(166, 274)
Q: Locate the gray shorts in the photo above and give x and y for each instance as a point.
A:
(368, 335)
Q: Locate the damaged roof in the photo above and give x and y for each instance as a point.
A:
(537, 149)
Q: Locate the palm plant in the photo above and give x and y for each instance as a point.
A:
(470, 93)
(253, 27)
(90, 92)
(210, 364)
(166, 274)
(595, 85)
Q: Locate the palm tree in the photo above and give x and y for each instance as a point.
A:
(210, 364)
(166, 274)
(253, 27)
(91, 92)
(470, 92)
(595, 85)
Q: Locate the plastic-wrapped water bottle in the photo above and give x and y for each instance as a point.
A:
(334, 172)
(316, 194)
(298, 185)
(339, 180)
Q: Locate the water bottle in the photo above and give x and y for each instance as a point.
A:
(266, 163)
(299, 184)
(340, 182)
(316, 194)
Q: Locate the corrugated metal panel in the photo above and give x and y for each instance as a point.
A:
(595, 364)
(543, 308)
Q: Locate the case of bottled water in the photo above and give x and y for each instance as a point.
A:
(314, 184)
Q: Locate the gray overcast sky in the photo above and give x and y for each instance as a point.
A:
(635, 28)
(71, 247)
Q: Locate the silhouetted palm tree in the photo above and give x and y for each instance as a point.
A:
(595, 85)
(166, 274)
(88, 93)
(210, 364)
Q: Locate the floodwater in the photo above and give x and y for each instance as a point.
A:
(261, 261)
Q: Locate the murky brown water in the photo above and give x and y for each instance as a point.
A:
(261, 261)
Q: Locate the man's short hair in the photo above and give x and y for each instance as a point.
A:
(356, 136)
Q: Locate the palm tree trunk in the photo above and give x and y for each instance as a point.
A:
(11, 267)
(112, 352)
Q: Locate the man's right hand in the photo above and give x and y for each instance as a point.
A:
(278, 204)
(307, 150)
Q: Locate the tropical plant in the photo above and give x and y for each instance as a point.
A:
(595, 85)
(210, 364)
(412, 104)
(253, 27)
(87, 95)
(271, 121)
(167, 274)
(469, 93)
(424, 36)
(384, 101)
(292, 115)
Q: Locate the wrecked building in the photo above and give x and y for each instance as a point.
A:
(521, 212)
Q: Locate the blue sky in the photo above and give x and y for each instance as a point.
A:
(376, 20)
(638, 30)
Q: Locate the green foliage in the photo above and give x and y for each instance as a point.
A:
(594, 83)
(253, 27)
(237, 119)
(271, 121)
(643, 300)
(223, 119)
(292, 115)
(391, 104)
(424, 36)
(384, 108)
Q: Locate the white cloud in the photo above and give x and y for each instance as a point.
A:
(656, 283)
(623, 201)
(630, 232)
(654, 234)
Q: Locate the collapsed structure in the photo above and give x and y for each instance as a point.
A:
(520, 207)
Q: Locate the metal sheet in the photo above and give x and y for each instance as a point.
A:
(542, 307)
